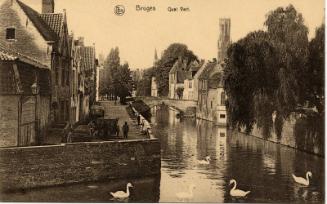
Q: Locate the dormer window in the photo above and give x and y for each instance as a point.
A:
(10, 33)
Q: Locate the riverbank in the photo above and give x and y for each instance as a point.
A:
(37, 166)
(299, 132)
(78, 162)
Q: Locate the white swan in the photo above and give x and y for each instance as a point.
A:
(122, 194)
(301, 180)
(206, 161)
(185, 196)
(236, 192)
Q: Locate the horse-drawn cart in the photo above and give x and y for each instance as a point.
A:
(106, 128)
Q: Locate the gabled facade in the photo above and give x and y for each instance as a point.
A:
(190, 91)
(211, 103)
(44, 37)
(85, 62)
(211, 94)
(177, 75)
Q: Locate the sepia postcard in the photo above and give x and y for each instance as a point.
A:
(173, 101)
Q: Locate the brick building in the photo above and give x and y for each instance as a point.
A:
(211, 94)
(190, 83)
(211, 101)
(177, 75)
(42, 36)
(25, 91)
(86, 69)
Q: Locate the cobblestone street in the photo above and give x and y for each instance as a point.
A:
(120, 112)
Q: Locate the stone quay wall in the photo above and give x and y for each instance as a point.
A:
(180, 104)
(37, 166)
(146, 124)
(296, 133)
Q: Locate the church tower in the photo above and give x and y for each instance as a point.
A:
(224, 38)
(155, 57)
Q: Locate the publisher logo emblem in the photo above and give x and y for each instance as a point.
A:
(119, 10)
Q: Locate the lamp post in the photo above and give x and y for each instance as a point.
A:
(35, 91)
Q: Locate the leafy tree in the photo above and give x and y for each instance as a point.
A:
(122, 82)
(166, 62)
(315, 71)
(265, 70)
(289, 36)
(247, 81)
(179, 92)
(111, 65)
(117, 78)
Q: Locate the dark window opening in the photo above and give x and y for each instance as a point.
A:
(222, 115)
(10, 33)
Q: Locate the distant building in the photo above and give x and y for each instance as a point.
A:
(177, 75)
(86, 69)
(190, 88)
(74, 103)
(224, 38)
(24, 99)
(154, 87)
(211, 94)
(211, 102)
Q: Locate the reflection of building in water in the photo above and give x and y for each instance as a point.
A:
(221, 143)
(154, 110)
(222, 131)
(269, 163)
(172, 117)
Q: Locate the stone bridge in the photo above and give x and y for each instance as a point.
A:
(180, 105)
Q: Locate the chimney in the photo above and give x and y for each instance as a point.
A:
(47, 6)
(81, 41)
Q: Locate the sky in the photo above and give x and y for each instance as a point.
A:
(139, 33)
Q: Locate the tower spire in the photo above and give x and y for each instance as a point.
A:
(155, 57)
(224, 38)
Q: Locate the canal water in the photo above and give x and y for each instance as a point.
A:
(261, 167)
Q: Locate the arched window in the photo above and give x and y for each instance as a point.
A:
(222, 98)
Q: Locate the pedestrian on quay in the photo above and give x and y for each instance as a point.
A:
(91, 126)
(138, 119)
(142, 125)
(117, 130)
(125, 130)
(69, 136)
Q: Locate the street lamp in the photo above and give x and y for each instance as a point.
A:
(35, 91)
(35, 88)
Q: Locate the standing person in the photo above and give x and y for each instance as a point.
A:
(91, 126)
(138, 119)
(69, 134)
(125, 130)
(117, 130)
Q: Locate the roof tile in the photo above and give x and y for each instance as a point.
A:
(38, 22)
(54, 21)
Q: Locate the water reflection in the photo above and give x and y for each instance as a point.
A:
(144, 190)
(262, 167)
